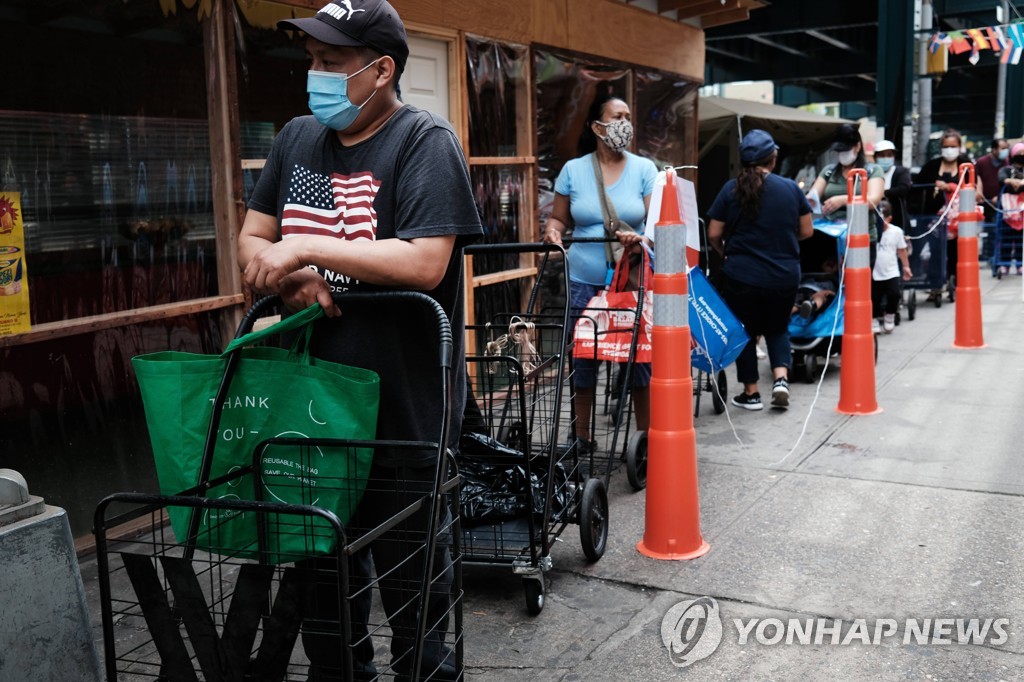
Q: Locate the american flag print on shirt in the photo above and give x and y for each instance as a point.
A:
(333, 205)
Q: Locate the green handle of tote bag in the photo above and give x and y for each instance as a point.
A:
(288, 324)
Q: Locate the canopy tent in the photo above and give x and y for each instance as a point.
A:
(719, 116)
(801, 136)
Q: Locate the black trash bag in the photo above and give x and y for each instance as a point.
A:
(482, 446)
(495, 488)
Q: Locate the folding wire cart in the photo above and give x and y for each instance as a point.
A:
(1008, 252)
(624, 442)
(519, 454)
(230, 598)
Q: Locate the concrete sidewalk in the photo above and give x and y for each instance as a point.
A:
(913, 513)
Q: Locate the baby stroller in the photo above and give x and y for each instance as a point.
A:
(809, 337)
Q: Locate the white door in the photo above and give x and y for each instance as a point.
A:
(425, 81)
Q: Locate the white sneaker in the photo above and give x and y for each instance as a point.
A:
(889, 323)
(761, 355)
(876, 326)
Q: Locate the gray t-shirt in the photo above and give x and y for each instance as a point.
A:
(409, 180)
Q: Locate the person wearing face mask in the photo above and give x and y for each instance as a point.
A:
(1011, 180)
(628, 182)
(756, 223)
(940, 178)
(831, 182)
(897, 181)
(987, 168)
(366, 194)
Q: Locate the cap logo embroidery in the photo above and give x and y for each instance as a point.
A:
(338, 12)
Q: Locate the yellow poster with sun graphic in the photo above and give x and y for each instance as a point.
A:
(14, 311)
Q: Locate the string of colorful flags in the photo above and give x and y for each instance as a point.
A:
(1006, 40)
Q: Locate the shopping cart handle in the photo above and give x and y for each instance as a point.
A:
(444, 329)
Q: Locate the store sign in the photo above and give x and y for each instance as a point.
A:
(14, 311)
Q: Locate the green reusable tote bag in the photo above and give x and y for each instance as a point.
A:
(274, 393)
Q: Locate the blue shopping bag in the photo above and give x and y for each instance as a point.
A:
(718, 336)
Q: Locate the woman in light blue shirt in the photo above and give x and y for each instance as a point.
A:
(629, 182)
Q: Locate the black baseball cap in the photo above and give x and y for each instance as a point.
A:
(357, 23)
(845, 137)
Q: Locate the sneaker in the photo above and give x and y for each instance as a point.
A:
(780, 392)
(889, 323)
(806, 309)
(876, 326)
(748, 402)
(761, 354)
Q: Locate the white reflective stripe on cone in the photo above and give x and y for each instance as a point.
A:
(857, 218)
(670, 310)
(858, 257)
(670, 249)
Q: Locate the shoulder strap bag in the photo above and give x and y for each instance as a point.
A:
(613, 249)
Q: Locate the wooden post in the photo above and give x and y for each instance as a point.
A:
(225, 151)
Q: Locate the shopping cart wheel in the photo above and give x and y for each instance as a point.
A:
(912, 305)
(594, 519)
(719, 391)
(810, 368)
(511, 434)
(636, 460)
(533, 588)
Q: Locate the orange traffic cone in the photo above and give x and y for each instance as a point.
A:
(672, 515)
(968, 293)
(857, 368)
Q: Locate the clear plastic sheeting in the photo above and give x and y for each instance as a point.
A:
(663, 110)
(496, 76)
(666, 118)
(566, 86)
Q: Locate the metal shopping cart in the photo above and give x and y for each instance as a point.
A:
(1007, 254)
(929, 251)
(519, 452)
(239, 577)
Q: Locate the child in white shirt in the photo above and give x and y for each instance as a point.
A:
(885, 277)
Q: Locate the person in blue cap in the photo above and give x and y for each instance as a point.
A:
(756, 223)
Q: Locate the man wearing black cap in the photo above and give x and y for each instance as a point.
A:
(370, 194)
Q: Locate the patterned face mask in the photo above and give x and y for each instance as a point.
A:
(618, 134)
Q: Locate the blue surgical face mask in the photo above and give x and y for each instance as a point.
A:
(328, 98)
(1004, 154)
(886, 162)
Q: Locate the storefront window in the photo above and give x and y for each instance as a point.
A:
(105, 148)
(104, 138)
